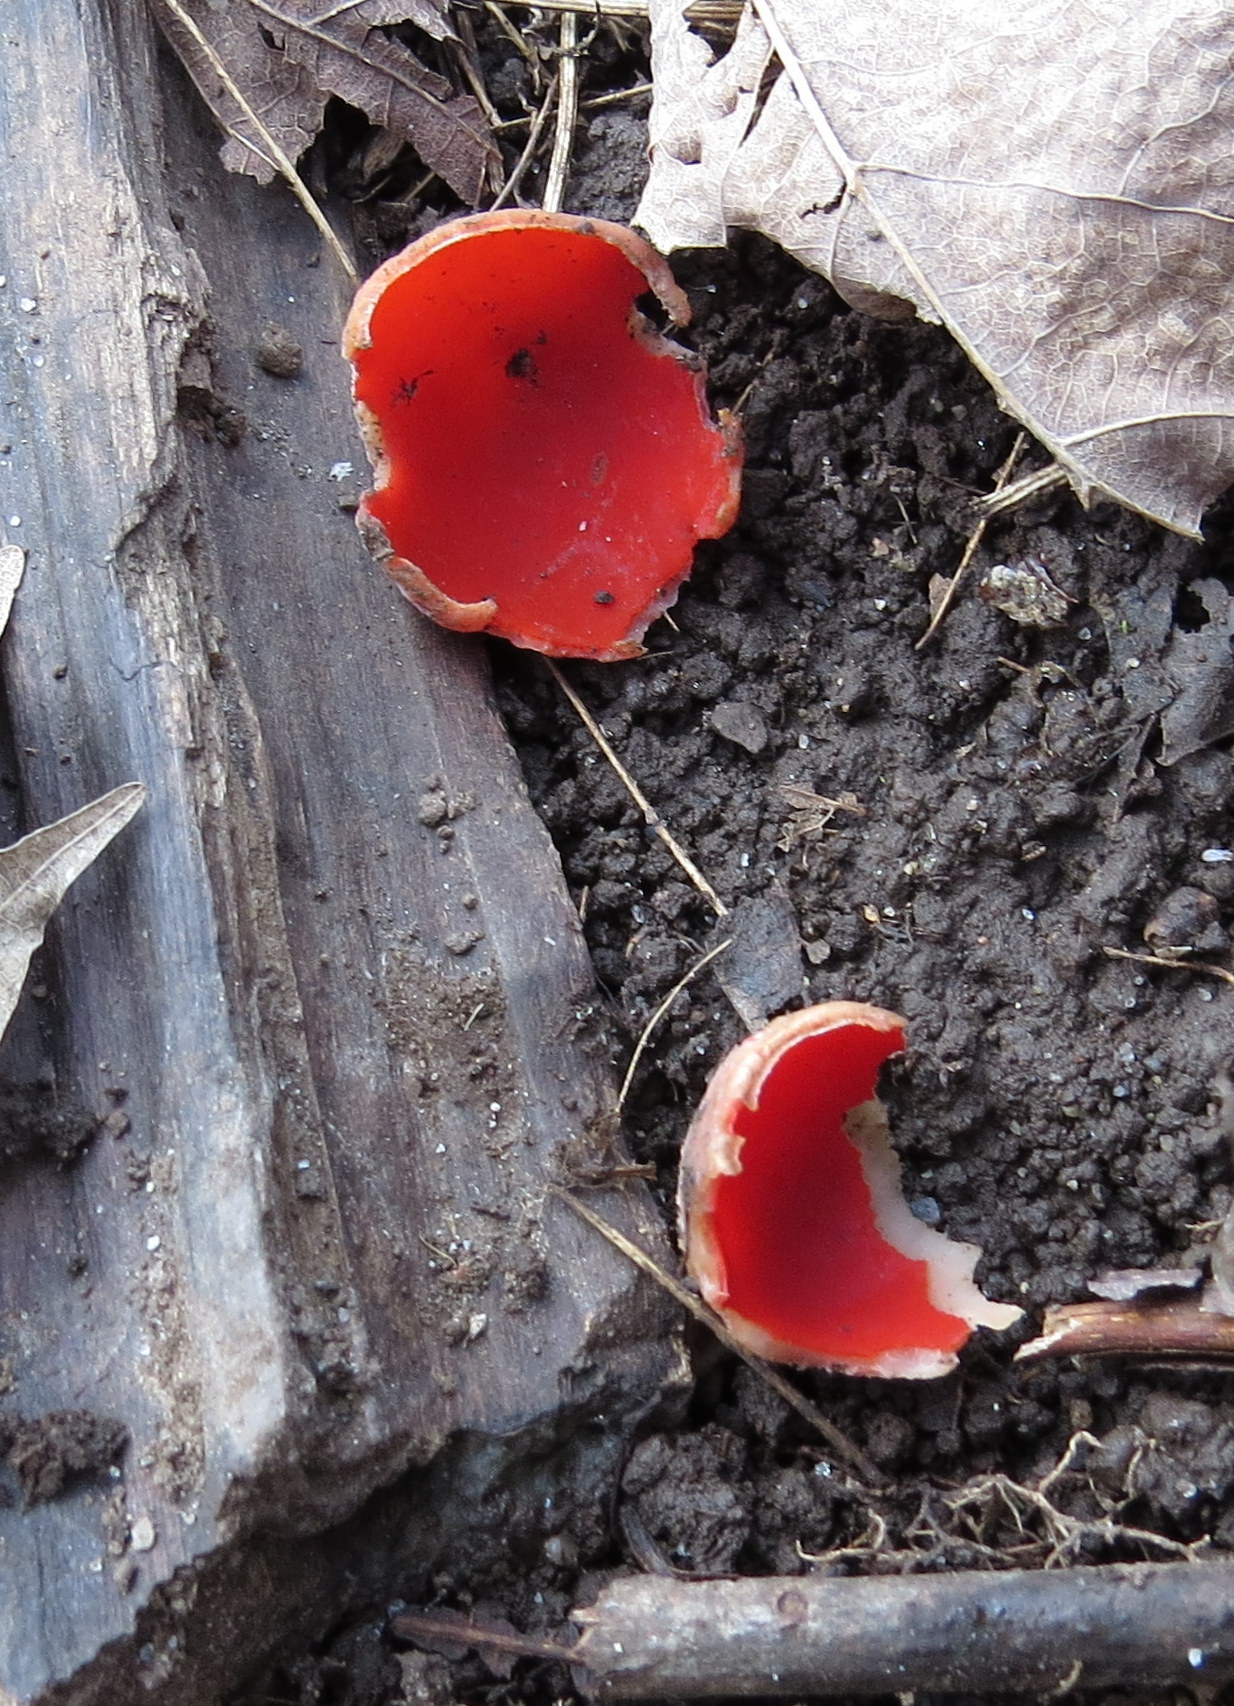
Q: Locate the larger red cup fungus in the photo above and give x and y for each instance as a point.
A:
(793, 1219)
(545, 461)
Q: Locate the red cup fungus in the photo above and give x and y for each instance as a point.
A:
(793, 1219)
(545, 461)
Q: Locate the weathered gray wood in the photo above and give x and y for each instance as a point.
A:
(1042, 1632)
(322, 1249)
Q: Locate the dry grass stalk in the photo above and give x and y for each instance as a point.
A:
(650, 815)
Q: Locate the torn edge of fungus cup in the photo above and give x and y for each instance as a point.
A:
(793, 1218)
(545, 460)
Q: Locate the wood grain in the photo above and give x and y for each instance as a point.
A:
(330, 983)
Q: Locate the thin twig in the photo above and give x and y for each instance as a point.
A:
(433, 1630)
(650, 815)
(1019, 491)
(277, 156)
(659, 1013)
(1157, 1627)
(842, 1446)
(1171, 964)
(1179, 1327)
(508, 29)
(590, 105)
(970, 550)
(714, 12)
(567, 114)
(615, 95)
(592, 8)
(468, 59)
(510, 187)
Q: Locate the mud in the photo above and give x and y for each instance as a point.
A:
(35, 1125)
(48, 1452)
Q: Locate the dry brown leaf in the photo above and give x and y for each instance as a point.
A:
(1054, 183)
(287, 57)
(36, 871)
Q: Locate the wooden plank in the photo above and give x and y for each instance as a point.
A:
(353, 1044)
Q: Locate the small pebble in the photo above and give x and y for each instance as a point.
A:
(141, 1535)
(742, 723)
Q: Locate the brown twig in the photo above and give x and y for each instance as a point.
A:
(839, 1443)
(432, 1630)
(1180, 1327)
(467, 56)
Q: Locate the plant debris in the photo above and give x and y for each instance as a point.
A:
(287, 57)
(1061, 210)
(36, 871)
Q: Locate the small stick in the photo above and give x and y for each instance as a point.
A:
(650, 814)
(277, 156)
(1019, 491)
(968, 1631)
(1170, 963)
(508, 29)
(469, 63)
(610, 100)
(661, 1010)
(1180, 1327)
(699, 12)
(430, 1629)
(510, 187)
(590, 105)
(567, 114)
(839, 1443)
(970, 550)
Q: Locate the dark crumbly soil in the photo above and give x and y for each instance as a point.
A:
(1021, 811)
(34, 1126)
(45, 1454)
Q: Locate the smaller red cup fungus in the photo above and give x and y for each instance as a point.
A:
(793, 1219)
(545, 461)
